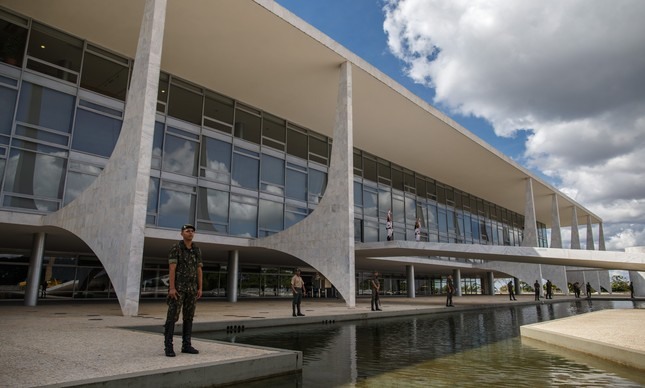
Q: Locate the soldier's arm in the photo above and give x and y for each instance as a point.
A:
(199, 282)
(172, 269)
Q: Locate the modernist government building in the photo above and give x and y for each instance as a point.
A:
(121, 120)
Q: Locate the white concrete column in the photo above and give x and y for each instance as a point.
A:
(575, 235)
(325, 239)
(35, 269)
(233, 269)
(491, 283)
(601, 238)
(637, 277)
(110, 215)
(456, 278)
(409, 271)
(590, 244)
(556, 233)
(530, 221)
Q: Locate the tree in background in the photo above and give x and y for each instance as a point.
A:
(619, 284)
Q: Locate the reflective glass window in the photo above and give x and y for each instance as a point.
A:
(370, 203)
(185, 104)
(45, 107)
(432, 216)
(7, 107)
(104, 76)
(162, 92)
(296, 185)
(358, 194)
(79, 177)
(274, 132)
(271, 215)
(370, 232)
(176, 207)
(385, 202)
(316, 186)
(297, 144)
(180, 155)
(35, 174)
(219, 108)
(245, 171)
(157, 146)
(247, 126)
(244, 215)
(318, 151)
(410, 210)
(398, 208)
(55, 48)
(14, 39)
(216, 159)
(369, 169)
(95, 133)
(212, 210)
(153, 195)
(293, 215)
(397, 179)
(272, 175)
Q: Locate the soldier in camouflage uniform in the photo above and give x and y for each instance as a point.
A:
(185, 276)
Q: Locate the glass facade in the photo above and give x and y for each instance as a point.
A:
(230, 168)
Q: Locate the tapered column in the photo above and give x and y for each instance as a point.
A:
(590, 244)
(110, 215)
(530, 222)
(601, 238)
(556, 233)
(575, 235)
(325, 239)
(233, 269)
(409, 271)
(456, 278)
(490, 289)
(35, 268)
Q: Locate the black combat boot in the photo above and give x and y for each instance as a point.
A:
(168, 332)
(293, 308)
(299, 313)
(186, 347)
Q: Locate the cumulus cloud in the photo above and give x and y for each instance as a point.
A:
(571, 72)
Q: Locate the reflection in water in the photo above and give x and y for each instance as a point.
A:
(473, 348)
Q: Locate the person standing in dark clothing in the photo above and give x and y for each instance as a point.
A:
(549, 289)
(450, 290)
(376, 288)
(511, 291)
(588, 290)
(631, 290)
(536, 287)
(43, 289)
(298, 288)
(576, 289)
(185, 287)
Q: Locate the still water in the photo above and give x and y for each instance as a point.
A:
(471, 348)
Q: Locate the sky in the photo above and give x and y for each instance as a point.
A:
(556, 85)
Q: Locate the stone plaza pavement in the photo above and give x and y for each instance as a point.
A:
(64, 343)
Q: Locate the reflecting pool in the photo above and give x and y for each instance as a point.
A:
(471, 348)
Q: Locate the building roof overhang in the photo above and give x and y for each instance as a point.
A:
(261, 54)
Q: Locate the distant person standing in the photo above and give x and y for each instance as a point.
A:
(43, 289)
(185, 287)
(588, 290)
(417, 230)
(511, 290)
(549, 289)
(450, 290)
(631, 290)
(376, 288)
(576, 289)
(389, 226)
(536, 287)
(298, 288)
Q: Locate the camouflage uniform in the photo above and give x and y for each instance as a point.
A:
(186, 276)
